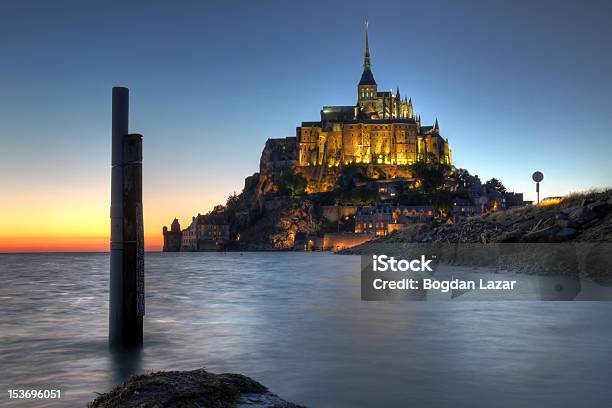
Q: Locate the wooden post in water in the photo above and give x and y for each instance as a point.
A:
(126, 300)
(133, 241)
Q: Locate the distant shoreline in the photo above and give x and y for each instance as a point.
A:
(157, 252)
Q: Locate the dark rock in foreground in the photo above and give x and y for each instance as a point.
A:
(197, 388)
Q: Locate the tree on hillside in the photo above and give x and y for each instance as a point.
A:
(232, 200)
(464, 177)
(364, 195)
(231, 205)
(292, 182)
(431, 158)
(346, 181)
(442, 202)
(218, 209)
(351, 175)
(412, 197)
(430, 176)
(497, 185)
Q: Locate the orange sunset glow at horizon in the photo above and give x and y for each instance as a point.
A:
(69, 243)
(77, 219)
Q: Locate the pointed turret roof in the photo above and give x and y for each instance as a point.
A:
(367, 78)
(436, 127)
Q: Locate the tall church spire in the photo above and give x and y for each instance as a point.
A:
(366, 58)
(367, 78)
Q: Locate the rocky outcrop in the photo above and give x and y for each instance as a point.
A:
(281, 218)
(588, 219)
(580, 218)
(584, 219)
(197, 388)
(323, 178)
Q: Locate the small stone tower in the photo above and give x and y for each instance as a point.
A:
(172, 238)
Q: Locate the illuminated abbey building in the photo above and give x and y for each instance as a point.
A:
(381, 129)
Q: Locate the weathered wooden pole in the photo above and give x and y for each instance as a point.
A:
(119, 129)
(126, 300)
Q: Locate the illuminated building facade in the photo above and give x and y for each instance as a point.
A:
(205, 233)
(381, 129)
(382, 219)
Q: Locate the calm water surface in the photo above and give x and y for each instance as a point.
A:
(295, 322)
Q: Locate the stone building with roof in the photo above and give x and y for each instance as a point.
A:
(380, 129)
(207, 232)
(382, 219)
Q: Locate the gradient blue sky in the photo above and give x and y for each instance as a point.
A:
(516, 85)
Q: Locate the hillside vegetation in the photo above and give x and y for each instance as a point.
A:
(580, 217)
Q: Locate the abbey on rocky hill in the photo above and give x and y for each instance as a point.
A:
(380, 129)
